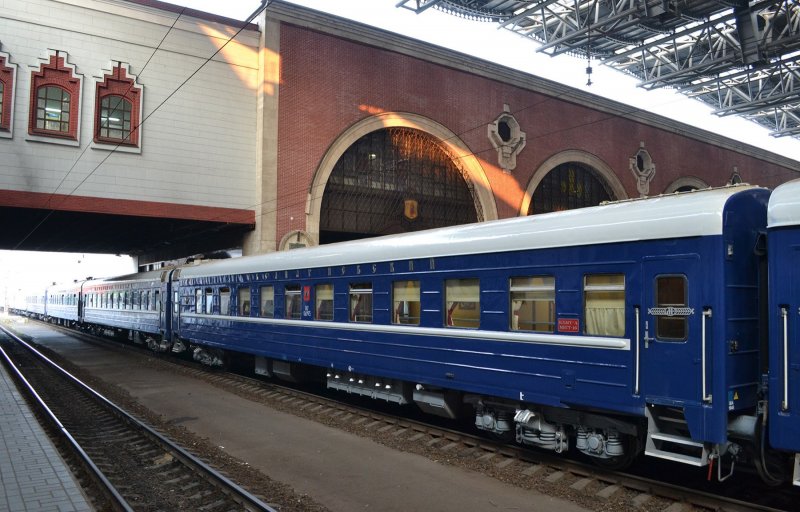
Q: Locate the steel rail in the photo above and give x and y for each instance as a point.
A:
(243, 497)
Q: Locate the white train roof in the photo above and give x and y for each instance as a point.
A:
(689, 214)
(784, 205)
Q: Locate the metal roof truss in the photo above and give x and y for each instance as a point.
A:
(742, 57)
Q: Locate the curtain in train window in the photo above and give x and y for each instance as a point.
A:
(323, 298)
(198, 300)
(361, 302)
(224, 301)
(533, 304)
(671, 292)
(267, 302)
(604, 304)
(406, 303)
(462, 303)
(292, 301)
(244, 301)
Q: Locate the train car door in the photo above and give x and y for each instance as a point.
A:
(784, 389)
(669, 331)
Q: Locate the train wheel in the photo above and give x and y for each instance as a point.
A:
(631, 448)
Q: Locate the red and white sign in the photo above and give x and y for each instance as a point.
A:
(569, 325)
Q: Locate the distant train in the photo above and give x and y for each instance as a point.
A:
(667, 325)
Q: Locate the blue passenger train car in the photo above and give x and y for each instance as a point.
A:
(784, 320)
(622, 328)
(643, 326)
(61, 303)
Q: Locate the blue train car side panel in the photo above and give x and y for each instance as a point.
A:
(682, 263)
(784, 317)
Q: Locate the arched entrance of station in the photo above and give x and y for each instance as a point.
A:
(396, 173)
(570, 180)
(395, 180)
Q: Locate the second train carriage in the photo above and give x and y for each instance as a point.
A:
(131, 304)
(61, 303)
(784, 320)
(612, 327)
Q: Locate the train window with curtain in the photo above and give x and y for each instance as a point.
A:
(157, 300)
(146, 300)
(533, 304)
(244, 301)
(462, 303)
(209, 301)
(292, 301)
(604, 304)
(224, 301)
(323, 302)
(672, 292)
(406, 302)
(361, 302)
(267, 302)
(136, 299)
(198, 300)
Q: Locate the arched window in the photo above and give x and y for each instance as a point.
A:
(115, 118)
(568, 186)
(52, 109)
(55, 100)
(6, 94)
(118, 101)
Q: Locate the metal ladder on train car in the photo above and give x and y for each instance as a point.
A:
(668, 437)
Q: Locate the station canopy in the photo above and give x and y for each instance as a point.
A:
(741, 57)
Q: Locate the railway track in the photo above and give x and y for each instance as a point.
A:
(139, 469)
(586, 484)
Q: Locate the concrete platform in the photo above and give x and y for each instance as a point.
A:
(339, 470)
(33, 476)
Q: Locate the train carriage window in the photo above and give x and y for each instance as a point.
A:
(244, 301)
(604, 304)
(267, 309)
(671, 292)
(323, 302)
(533, 304)
(157, 300)
(361, 302)
(406, 302)
(198, 300)
(146, 300)
(137, 300)
(209, 301)
(292, 301)
(462, 303)
(224, 301)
